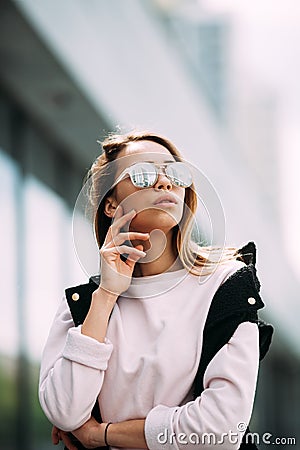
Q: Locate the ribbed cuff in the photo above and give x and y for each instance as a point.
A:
(158, 426)
(86, 350)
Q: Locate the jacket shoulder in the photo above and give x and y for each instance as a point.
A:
(238, 300)
(238, 294)
(79, 298)
(247, 253)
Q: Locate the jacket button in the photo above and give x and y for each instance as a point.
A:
(251, 301)
(75, 296)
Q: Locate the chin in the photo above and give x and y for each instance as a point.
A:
(153, 219)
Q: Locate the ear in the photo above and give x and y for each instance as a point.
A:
(110, 206)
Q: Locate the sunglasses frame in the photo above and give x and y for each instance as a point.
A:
(127, 171)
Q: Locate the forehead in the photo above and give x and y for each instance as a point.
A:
(144, 151)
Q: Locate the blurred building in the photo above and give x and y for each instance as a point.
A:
(203, 40)
(69, 73)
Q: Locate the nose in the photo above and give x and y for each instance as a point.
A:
(163, 182)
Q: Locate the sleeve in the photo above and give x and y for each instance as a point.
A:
(71, 373)
(222, 412)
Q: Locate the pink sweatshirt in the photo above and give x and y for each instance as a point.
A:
(148, 362)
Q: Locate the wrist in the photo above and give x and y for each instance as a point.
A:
(96, 321)
(128, 434)
(105, 433)
(106, 294)
(98, 436)
(104, 299)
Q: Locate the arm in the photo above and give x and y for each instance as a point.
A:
(227, 400)
(129, 434)
(228, 396)
(75, 358)
(71, 361)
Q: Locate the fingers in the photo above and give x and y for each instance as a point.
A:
(118, 223)
(120, 218)
(121, 221)
(59, 435)
(131, 251)
(130, 236)
(55, 435)
(134, 258)
(65, 437)
(113, 247)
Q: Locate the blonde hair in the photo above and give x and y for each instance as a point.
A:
(191, 254)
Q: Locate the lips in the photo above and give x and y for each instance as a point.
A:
(167, 198)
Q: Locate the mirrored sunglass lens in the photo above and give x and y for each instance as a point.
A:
(143, 175)
(179, 174)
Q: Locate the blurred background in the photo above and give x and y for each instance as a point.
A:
(220, 79)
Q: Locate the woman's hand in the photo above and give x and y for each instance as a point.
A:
(58, 435)
(128, 434)
(90, 435)
(116, 273)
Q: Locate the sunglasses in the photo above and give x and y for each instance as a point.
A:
(145, 174)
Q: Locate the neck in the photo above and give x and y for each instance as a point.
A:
(161, 256)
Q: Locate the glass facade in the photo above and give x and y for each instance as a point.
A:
(38, 262)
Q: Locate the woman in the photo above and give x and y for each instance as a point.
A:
(139, 346)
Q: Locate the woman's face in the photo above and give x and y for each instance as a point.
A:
(152, 211)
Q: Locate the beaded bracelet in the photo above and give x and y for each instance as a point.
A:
(105, 433)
